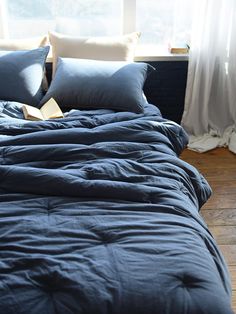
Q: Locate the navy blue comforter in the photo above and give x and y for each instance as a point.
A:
(98, 215)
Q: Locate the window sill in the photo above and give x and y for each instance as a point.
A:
(149, 53)
(154, 53)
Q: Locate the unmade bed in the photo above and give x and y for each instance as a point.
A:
(99, 215)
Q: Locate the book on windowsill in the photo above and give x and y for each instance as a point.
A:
(178, 48)
(50, 110)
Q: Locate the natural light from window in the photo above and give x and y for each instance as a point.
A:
(86, 18)
(162, 21)
(159, 21)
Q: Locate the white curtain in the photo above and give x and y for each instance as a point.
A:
(210, 102)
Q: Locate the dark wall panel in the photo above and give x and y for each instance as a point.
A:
(166, 86)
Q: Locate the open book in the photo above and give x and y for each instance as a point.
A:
(50, 110)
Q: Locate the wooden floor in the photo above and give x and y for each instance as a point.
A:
(219, 168)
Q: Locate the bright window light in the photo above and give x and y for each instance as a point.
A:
(159, 21)
(162, 21)
(27, 18)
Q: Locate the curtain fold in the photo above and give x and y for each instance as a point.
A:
(210, 102)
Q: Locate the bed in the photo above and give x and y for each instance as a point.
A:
(98, 214)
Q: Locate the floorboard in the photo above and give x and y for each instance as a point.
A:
(219, 168)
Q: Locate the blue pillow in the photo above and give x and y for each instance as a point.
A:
(93, 84)
(21, 74)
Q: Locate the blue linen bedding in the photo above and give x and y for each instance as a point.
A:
(99, 215)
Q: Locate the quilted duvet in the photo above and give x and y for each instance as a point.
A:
(98, 215)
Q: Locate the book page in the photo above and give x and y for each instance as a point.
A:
(51, 110)
(31, 113)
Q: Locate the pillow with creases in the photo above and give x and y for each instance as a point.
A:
(21, 75)
(107, 48)
(26, 44)
(95, 84)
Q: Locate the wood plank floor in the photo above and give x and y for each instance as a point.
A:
(219, 168)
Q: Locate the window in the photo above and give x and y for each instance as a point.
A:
(162, 21)
(159, 21)
(91, 17)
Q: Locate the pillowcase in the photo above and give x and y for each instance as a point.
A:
(93, 84)
(120, 48)
(23, 44)
(21, 74)
(26, 44)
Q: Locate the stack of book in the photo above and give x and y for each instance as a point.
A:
(178, 48)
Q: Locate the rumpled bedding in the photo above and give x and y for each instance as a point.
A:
(99, 215)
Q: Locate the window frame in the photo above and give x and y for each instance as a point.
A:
(128, 16)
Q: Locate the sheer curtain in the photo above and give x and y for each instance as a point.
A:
(210, 102)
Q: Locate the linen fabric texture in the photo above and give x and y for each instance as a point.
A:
(94, 84)
(109, 48)
(21, 75)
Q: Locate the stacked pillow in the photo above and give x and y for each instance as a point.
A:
(96, 72)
